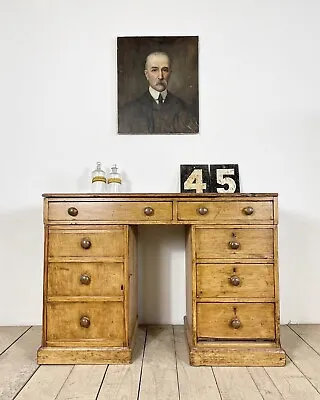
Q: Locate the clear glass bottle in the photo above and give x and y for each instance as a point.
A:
(98, 181)
(114, 180)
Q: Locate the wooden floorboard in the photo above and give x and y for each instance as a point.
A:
(160, 370)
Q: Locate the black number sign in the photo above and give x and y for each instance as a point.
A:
(221, 178)
(194, 178)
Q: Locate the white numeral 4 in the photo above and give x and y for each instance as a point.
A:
(194, 181)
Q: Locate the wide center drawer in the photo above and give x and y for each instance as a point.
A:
(72, 322)
(75, 242)
(85, 279)
(235, 321)
(110, 211)
(226, 211)
(231, 280)
(234, 243)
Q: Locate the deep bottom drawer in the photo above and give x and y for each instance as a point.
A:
(89, 323)
(235, 321)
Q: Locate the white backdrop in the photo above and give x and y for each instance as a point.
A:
(259, 82)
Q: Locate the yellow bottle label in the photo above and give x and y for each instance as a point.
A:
(99, 179)
(114, 180)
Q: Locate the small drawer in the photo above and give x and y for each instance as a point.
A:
(226, 211)
(235, 321)
(110, 211)
(230, 280)
(72, 242)
(234, 243)
(85, 279)
(71, 322)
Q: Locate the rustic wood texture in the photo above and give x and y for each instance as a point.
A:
(22, 379)
(257, 321)
(63, 323)
(91, 282)
(234, 212)
(253, 243)
(111, 211)
(104, 243)
(255, 280)
(105, 279)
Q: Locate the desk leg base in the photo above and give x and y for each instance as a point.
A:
(233, 355)
(238, 357)
(88, 355)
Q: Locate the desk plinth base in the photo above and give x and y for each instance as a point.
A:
(233, 355)
(80, 355)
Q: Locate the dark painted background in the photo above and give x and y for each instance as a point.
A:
(183, 51)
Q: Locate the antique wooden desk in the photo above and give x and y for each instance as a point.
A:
(90, 310)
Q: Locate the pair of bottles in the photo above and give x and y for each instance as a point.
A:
(101, 182)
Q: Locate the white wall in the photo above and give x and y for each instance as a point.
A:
(259, 107)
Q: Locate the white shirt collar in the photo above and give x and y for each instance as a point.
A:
(155, 94)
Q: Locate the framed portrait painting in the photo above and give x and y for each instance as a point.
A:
(158, 85)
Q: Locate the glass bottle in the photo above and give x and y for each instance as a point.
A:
(98, 181)
(114, 180)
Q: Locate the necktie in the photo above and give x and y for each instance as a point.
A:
(160, 99)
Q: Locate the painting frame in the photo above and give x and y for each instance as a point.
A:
(147, 66)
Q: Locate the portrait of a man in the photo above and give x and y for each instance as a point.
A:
(158, 85)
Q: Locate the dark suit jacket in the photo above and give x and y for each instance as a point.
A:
(144, 115)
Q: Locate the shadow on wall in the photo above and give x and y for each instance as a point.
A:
(161, 281)
(298, 268)
(21, 238)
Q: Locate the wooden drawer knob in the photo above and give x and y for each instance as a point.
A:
(73, 211)
(235, 323)
(234, 245)
(148, 211)
(203, 210)
(235, 280)
(85, 322)
(85, 279)
(85, 243)
(248, 211)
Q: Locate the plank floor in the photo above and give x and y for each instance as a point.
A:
(160, 370)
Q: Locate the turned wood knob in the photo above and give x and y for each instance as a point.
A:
(203, 210)
(148, 211)
(85, 243)
(235, 323)
(85, 279)
(85, 322)
(73, 211)
(234, 245)
(235, 280)
(248, 211)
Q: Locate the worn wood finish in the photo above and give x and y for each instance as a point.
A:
(253, 243)
(215, 321)
(250, 280)
(111, 211)
(85, 279)
(159, 376)
(22, 379)
(104, 243)
(18, 363)
(64, 325)
(91, 283)
(234, 212)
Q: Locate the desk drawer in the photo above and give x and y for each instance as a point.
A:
(231, 280)
(235, 321)
(226, 211)
(110, 211)
(92, 322)
(234, 243)
(71, 242)
(85, 279)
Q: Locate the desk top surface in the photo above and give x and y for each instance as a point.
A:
(155, 195)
